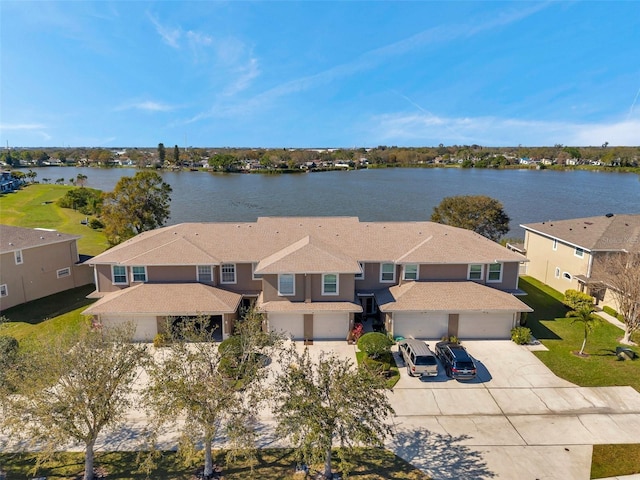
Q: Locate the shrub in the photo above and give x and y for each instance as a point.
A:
(521, 335)
(452, 339)
(95, 224)
(160, 340)
(576, 300)
(380, 365)
(612, 312)
(374, 344)
(8, 354)
(85, 200)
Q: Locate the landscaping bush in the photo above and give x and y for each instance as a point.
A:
(160, 340)
(576, 300)
(374, 344)
(380, 365)
(96, 224)
(612, 312)
(85, 200)
(521, 335)
(8, 355)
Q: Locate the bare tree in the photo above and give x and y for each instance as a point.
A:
(620, 275)
(73, 389)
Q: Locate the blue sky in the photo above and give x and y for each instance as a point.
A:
(319, 74)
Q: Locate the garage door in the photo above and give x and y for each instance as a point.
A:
(146, 326)
(330, 326)
(291, 324)
(420, 325)
(485, 325)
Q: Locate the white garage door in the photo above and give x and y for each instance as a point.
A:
(420, 325)
(330, 326)
(485, 325)
(146, 326)
(291, 324)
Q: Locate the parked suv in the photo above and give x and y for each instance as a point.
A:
(456, 361)
(418, 358)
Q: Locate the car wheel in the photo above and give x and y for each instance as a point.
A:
(409, 371)
(448, 372)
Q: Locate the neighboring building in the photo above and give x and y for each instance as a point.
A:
(37, 262)
(566, 254)
(9, 183)
(313, 277)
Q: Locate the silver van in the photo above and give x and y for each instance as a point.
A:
(418, 358)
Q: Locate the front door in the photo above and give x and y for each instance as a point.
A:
(369, 306)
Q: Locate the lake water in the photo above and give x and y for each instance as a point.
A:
(381, 194)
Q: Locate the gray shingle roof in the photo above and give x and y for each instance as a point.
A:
(19, 238)
(617, 232)
(344, 240)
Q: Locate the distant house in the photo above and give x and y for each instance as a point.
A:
(313, 278)
(9, 183)
(36, 262)
(567, 254)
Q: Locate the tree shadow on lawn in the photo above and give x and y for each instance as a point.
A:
(39, 310)
(442, 456)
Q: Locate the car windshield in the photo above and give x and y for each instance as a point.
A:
(465, 365)
(426, 360)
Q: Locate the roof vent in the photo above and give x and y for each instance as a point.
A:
(609, 215)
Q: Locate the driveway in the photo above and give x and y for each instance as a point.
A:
(515, 420)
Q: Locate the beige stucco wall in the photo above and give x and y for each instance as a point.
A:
(37, 277)
(543, 261)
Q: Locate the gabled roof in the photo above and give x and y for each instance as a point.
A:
(170, 299)
(454, 297)
(19, 238)
(605, 232)
(308, 255)
(310, 307)
(292, 242)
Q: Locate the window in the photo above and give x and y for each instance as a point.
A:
(139, 274)
(495, 272)
(387, 273)
(205, 273)
(3, 290)
(555, 244)
(63, 272)
(579, 252)
(360, 276)
(567, 276)
(557, 272)
(286, 284)
(228, 273)
(119, 274)
(329, 284)
(475, 272)
(18, 255)
(410, 272)
(254, 275)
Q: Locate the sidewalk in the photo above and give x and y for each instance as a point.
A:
(610, 318)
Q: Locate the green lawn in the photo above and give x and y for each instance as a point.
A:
(34, 206)
(615, 460)
(549, 325)
(273, 464)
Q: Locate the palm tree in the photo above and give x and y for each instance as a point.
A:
(585, 316)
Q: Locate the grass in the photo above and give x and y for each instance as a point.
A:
(272, 464)
(34, 206)
(615, 460)
(562, 337)
(393, 374)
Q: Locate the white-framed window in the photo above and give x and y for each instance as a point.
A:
(567, 276)
(139, 274)
(578, 252)
(387, 273)
(410, 271)
(476, 271)
(205, 273)
(557, 272)
(119, 274)
(63, 272)
(3, 290)
(360, 276)
(555, 244)
(330, 284)
(254, 275)
(286, 284)
(495, 272)
(228, 273)
(18, 256)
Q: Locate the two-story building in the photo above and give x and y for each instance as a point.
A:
(313, 277)
(36, 262)
(568, 254)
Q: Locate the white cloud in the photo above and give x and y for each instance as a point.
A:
(22, 126)
(427, 129)
(246, 74)
(148, 106)
(170, 36)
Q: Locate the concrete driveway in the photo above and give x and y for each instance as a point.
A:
(515, 420)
